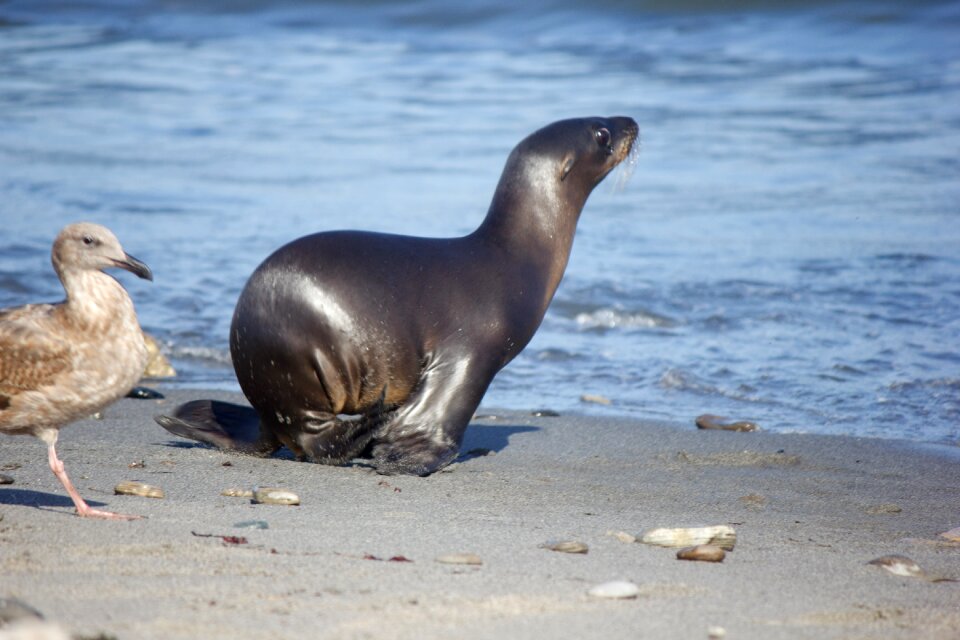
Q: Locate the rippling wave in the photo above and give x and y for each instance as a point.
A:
(782, 248)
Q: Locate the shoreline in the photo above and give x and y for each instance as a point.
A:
(809, 510)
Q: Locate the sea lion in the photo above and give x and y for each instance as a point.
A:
(403, 333)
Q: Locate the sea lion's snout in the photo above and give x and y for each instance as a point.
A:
(627, 131)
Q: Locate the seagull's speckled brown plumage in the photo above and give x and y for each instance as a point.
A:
(65, 361)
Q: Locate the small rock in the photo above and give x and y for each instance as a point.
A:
(272, 495)
(623, 536)
(144, 393)
(566, 546)
(460, 558)
(138, 464)
(753, 501)
(616, 589)
(157, 364)
(702, 553)
(237, 493)
(545, 413)
(12, 609)
(5, 479)
(716, 633)
(720, 423)
(878, 509)
(252, 524)
(595, 399)
(953, 535)
(130, 488)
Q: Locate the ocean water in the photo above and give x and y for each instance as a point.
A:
(786, 250)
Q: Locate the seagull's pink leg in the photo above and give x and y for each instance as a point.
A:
(83, 509)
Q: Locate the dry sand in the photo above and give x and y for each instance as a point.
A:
(809, 511)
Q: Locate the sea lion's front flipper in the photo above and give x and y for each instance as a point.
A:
(222, 424)
(425, 433)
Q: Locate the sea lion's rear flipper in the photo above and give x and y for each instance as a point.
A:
(221, 424)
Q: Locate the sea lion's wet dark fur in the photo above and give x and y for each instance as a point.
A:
(404, 333)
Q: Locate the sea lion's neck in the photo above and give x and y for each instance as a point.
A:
(533, 216)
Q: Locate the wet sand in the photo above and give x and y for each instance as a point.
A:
(357, 558)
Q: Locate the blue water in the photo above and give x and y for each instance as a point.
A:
(786, 249)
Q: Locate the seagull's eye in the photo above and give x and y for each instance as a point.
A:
(603, 137)
(87, 240)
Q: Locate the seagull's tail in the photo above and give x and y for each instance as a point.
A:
(222, 424)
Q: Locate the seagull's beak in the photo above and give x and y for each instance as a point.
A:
(134, 266)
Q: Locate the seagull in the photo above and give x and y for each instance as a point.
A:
(65, 361)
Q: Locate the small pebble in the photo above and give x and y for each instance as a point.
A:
(595, 399)
(460, 558)
(252, 524)
(144, 393)
(616, 589)
(879, 509)
(5, 479)
(545, 413)
(623, 536)
(753, 501)
(716, 633)
(566, 546)
(720, 423)
(271, 495)
(12, 609)
(130, 488)
(953, 535)
(237, 493)
(702, 553)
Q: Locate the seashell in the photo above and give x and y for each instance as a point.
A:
(703, 553)
(237, 493)
(5, 479)
(720, 423)
(595, 399)
(899, 566)
(716, 633)
(722, 536)
(566, 546)
(953, 535)
(615, 589)
(129, 488)
(271, 495)
(623, 536)
(459, 558)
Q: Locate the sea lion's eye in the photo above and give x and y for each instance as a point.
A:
(603, 137)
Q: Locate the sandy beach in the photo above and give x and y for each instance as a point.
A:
(357, 558)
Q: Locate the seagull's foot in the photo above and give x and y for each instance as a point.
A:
(90, 512)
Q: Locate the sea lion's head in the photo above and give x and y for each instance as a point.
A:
(583, 150)
(565, 160)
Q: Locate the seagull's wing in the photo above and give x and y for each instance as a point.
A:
(32, 351)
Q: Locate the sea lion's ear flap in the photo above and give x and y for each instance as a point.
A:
(568, 163)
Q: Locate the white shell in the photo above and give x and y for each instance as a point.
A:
(722, 536)
(270, 495)
(616, 589)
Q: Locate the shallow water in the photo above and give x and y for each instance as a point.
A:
(784, 251)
